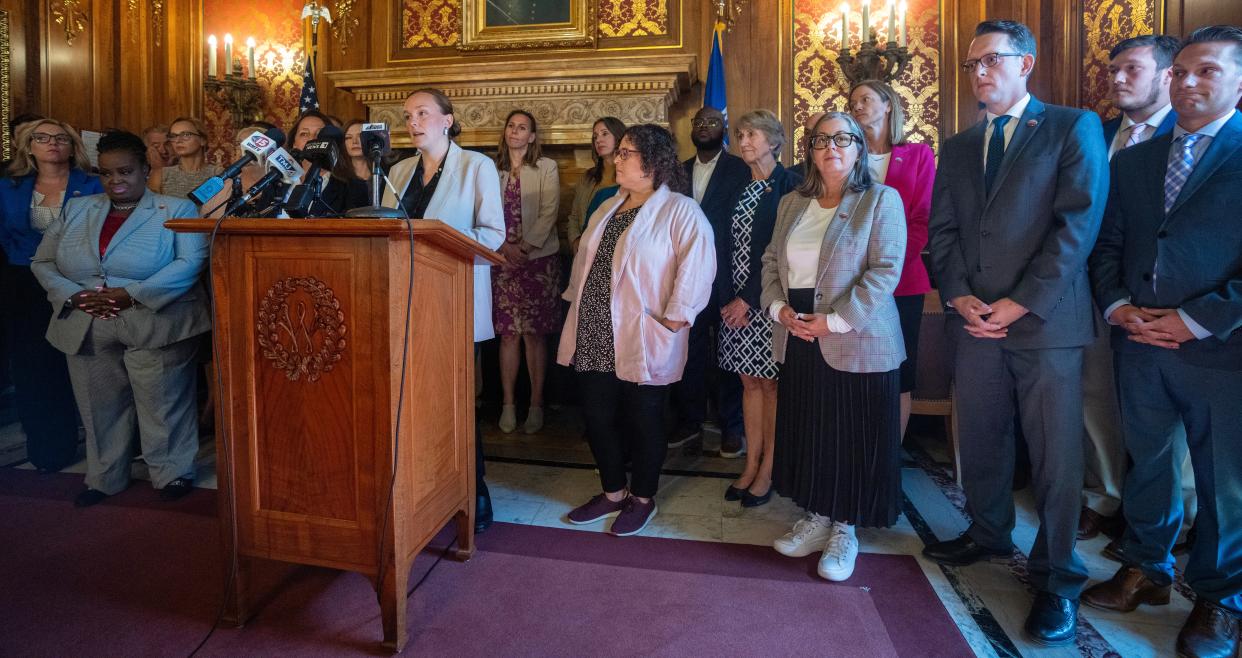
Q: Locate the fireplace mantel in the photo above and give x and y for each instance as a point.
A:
(565, 95)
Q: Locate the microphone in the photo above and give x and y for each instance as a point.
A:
(375, 144)
(322, 154)
(281, 167)
(255, 148)
(375, 141)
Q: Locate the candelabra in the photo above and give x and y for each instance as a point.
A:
(240, 95)
(884, 63)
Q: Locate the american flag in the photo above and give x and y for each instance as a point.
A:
(310, 98)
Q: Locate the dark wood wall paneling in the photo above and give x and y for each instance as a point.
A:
(113, 75)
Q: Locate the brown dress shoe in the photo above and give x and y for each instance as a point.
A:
(1089, 522)
(1210, 632)
(1125, 591)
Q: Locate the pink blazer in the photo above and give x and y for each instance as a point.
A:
(663, 268)
(911, 171)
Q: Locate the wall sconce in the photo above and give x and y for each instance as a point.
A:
(872, 61)
(727, 12)
(237, 92)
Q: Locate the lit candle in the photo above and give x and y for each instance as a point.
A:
(901, 27)
(250, 55)
(211, 60)
(228, 54)
(866, 21)
(892, 20)
(845, 26)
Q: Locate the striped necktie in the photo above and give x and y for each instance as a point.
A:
(1181, 163)
(1136, 134)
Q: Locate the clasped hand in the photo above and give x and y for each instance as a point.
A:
(103, 303)
(988, 320)
(807, 326)
(1161, 327)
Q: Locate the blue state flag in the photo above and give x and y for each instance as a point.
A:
(714, 90)
(309, 100)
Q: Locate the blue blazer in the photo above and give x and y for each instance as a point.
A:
(16, 237)
(1196, 248)
(781, 181)
(1112, 125)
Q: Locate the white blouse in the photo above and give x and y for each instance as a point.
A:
(802, 255)
(878, 164)
(42, 216)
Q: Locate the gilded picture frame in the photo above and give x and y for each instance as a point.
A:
(511, 24)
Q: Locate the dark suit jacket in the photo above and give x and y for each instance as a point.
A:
(1029, 239)
(1196, 249)
(17, 238)
(782, 182)
(1112, 125)
(342, 196)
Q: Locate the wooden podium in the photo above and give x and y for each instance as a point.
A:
(310, 322)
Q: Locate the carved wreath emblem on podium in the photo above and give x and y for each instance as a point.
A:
(302, 340)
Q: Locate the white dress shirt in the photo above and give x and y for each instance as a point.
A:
(1011, 127)
(802, 251)
(703, 175)
(1127, 125)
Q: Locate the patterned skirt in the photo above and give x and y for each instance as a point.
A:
(748, 350)
(526, 298)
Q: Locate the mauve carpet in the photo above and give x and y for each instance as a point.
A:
(135, 577)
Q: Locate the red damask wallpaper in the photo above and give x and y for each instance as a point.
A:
(437, 23)
(280, 58)
(820, 85)
(1104, 24)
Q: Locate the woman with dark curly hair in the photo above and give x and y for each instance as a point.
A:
(128, 307)
(643, 272)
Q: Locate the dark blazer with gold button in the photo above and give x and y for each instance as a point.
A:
(1028, 239)
(161, 270)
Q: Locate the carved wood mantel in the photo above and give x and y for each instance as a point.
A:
(566, 95)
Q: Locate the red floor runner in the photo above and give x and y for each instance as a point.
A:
(134, 577)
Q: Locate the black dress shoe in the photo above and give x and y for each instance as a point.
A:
(89, 497)
(751, 500)
(961, 552)
(734, 494)
(482, 509)
(177, 489)
(1053, 620)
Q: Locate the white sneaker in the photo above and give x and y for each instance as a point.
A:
(840, 553)
(807, 536)
(508, 418)
(534, 420)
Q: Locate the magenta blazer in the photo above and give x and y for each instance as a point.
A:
(911, 171)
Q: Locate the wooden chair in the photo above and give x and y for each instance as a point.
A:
(933, 396)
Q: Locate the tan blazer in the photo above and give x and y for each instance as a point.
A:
(859, 266)
(541, 198)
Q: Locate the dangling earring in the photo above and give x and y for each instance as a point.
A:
(446, 131)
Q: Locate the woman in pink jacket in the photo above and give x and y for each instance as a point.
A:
(643, 271)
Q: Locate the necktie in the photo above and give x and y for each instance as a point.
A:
(1181, 163)
(996, 151)
(1136, 134)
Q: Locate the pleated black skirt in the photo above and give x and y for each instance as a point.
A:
(838, 435)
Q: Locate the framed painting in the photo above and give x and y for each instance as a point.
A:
(514, 24)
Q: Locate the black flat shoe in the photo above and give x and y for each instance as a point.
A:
(1053, 620)
(751, 500)
(176, 490)
(734, 493)
(89, 497)
(961, 552)
(482, 510)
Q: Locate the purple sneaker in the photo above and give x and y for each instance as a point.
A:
(634, 517)
(595, 509)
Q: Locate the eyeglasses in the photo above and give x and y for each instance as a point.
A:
(706, 123)
(184, 135)
(820, 141)
(44, 138)
(624, 153)
(988, 61)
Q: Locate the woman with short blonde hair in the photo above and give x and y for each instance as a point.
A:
(188, 137)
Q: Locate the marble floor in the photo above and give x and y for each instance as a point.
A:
(536, 479)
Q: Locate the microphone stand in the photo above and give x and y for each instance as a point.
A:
(375, 210)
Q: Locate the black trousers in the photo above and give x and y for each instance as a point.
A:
(702, 377)
(607, 400)
(42, 392)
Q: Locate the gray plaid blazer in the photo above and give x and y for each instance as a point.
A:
(859, 265)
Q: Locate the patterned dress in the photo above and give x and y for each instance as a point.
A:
(747, 350)
(595, 351)
(524, 297)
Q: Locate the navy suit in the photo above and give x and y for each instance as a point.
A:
(1188, 259)
(1165, 127)
(689, 395)
(1027, 240)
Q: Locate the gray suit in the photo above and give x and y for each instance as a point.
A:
(1027, 240)
(134, 373)
(859, 265)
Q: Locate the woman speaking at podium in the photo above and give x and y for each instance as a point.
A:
(462, 189)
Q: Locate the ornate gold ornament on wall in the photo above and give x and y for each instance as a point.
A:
(565, 95)
(728, 11)
(132, 12)
(1105, 24)
(307, 342)
(346, 23)
(157, 20)
(70, 15)
(527, 24)
(6, 101)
